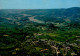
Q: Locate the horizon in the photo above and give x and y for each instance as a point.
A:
(38, 4)
(39, 9)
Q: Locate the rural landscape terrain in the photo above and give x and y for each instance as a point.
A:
(40, 32)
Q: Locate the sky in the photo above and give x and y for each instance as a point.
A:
(38, 4)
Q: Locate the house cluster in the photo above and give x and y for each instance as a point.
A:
(56, 47)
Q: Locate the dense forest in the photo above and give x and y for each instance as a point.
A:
(40, 32)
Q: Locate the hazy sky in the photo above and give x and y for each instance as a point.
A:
(38, 4)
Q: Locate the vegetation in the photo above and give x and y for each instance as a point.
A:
(55, 32)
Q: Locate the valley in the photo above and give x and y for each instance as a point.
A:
(40, 32)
